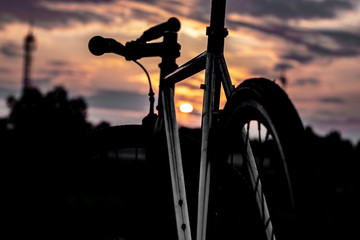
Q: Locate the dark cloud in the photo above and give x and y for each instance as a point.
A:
(195, 9)
(59, 72)
(355, 121)
(196, 113)
(306, 82)
(41, 81)
(35, 11)
(351, 39)
(56, 68)
(5, 70)
(298, 56)
(294, 9)
(190, 85)
(316, 42)
(58, 63)
(283, 67)
(10, 49)
(259, 71)
(190, 99)
(120, 100)
(281, 9)
(332, 100)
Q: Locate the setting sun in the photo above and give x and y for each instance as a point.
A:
(186, 108)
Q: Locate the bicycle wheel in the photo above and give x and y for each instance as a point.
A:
(260, 149)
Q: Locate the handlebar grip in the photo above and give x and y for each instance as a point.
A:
(172, 25)
(99, 45)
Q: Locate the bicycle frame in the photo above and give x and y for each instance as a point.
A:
(216, 76)
(216, 73)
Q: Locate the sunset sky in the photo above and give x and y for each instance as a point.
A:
(316, 41)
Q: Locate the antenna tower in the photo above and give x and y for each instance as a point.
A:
(29, 47)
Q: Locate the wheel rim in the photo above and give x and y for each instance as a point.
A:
(259, 132)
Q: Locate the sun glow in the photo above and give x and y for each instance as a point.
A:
(186, 108)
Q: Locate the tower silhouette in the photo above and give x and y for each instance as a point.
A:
(29, 47)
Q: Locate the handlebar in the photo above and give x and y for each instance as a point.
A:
(99, 45)
(172, 25)
(134, 50)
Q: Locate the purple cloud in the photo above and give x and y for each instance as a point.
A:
(294, 9)
(114, 99)
(298, 56)
(347, 43)
(5, 70)
(307, 82)
(332, 100)
(283, 67)
(34, 11)
(10, 49)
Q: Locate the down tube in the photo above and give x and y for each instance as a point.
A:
(204, 177)
(176, 168)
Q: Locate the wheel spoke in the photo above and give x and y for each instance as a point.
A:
(247, 133)
(267, 136)
(261, 150)
(247, 142)
(259, 132)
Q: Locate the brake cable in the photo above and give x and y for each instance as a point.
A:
(151, 92)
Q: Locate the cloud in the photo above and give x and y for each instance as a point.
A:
(281, 9)
(41, 81)
(259, 71)
(298, 56)
(283, 67)
(332, 100)
(58, 63)
(317, 43)
(294, 9)
(37, 11)
(191, 85)
(355, 121)
(53, 13)
(5, 70)
(56, 68)
(10, 49)
(307, 82)
(59, 72)
(119, 100)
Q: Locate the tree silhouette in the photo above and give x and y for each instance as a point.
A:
(40, 174)
(40, 125)
(336, 162)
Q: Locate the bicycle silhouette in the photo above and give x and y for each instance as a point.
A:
(238, 167)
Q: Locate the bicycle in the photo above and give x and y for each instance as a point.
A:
(230, 193)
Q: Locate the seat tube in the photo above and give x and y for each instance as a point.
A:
(216, 34)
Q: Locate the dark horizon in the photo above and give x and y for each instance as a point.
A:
(46, 179)
(316, 51)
